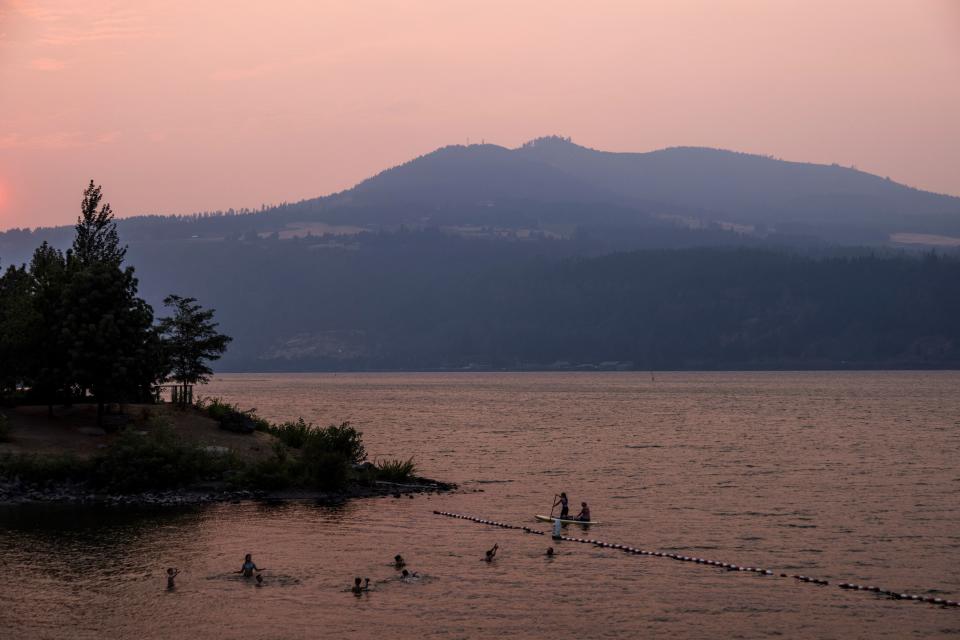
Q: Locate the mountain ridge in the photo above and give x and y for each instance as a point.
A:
(554, 185)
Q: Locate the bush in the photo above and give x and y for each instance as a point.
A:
(293, 434)
(157, 460)
(272, 474)
(4, 428)
(342, 440)
(323, 469)
(231, 417)
(396, 470)
(43, 469)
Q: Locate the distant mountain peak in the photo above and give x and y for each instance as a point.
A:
(552, 142)
(547, 140)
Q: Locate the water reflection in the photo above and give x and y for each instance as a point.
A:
(806, 472)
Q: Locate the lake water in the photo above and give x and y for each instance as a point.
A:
(844, 476)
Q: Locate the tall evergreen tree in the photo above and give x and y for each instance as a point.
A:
(49, 377)
(191, 341)
(16, 321)
(97, 240)
(106, 327)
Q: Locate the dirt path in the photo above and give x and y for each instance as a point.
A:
(74, 430)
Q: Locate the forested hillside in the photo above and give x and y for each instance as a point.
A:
(424, 300)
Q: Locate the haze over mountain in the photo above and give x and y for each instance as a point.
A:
(554, 255)
(756, 194)
(554, 186)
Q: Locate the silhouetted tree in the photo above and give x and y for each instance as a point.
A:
(190, 340)
(97, 240)
(106, 327)
(49, 379)
(16, 321)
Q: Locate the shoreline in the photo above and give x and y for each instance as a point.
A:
(16, 493)
(69, 459)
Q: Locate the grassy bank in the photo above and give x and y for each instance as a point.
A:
(211, 444)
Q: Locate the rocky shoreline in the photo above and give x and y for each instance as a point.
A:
(16, 492)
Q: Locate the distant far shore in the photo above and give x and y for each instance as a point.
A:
(601, 369)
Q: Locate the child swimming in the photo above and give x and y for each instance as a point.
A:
(359, 588)
(171, 574)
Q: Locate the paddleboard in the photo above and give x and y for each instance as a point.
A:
(564, 521)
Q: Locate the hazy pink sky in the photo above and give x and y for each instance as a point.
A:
(181, 106)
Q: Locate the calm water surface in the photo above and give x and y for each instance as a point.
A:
(844, 476)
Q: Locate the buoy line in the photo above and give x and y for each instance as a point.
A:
(893, 594)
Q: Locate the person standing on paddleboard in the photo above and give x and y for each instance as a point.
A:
(564, 506)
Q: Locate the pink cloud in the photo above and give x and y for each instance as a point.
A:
(65, 23)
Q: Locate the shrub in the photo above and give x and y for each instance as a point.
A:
(157, 460)
(43, 469)
(396, 470)
(278, 472)
(4, 428)
(342, 440)
(231, 417)
(293, 434)
(216, 408)
(323, 469)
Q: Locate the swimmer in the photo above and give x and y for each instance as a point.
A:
(406, 575)
(259, 580)
(248, 567)
(357, 589)
(398, 561)
(171, 574)
(491, 552)
(549, 552)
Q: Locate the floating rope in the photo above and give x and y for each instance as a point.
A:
(895, 595)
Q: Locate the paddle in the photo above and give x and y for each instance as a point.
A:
(555, 496)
